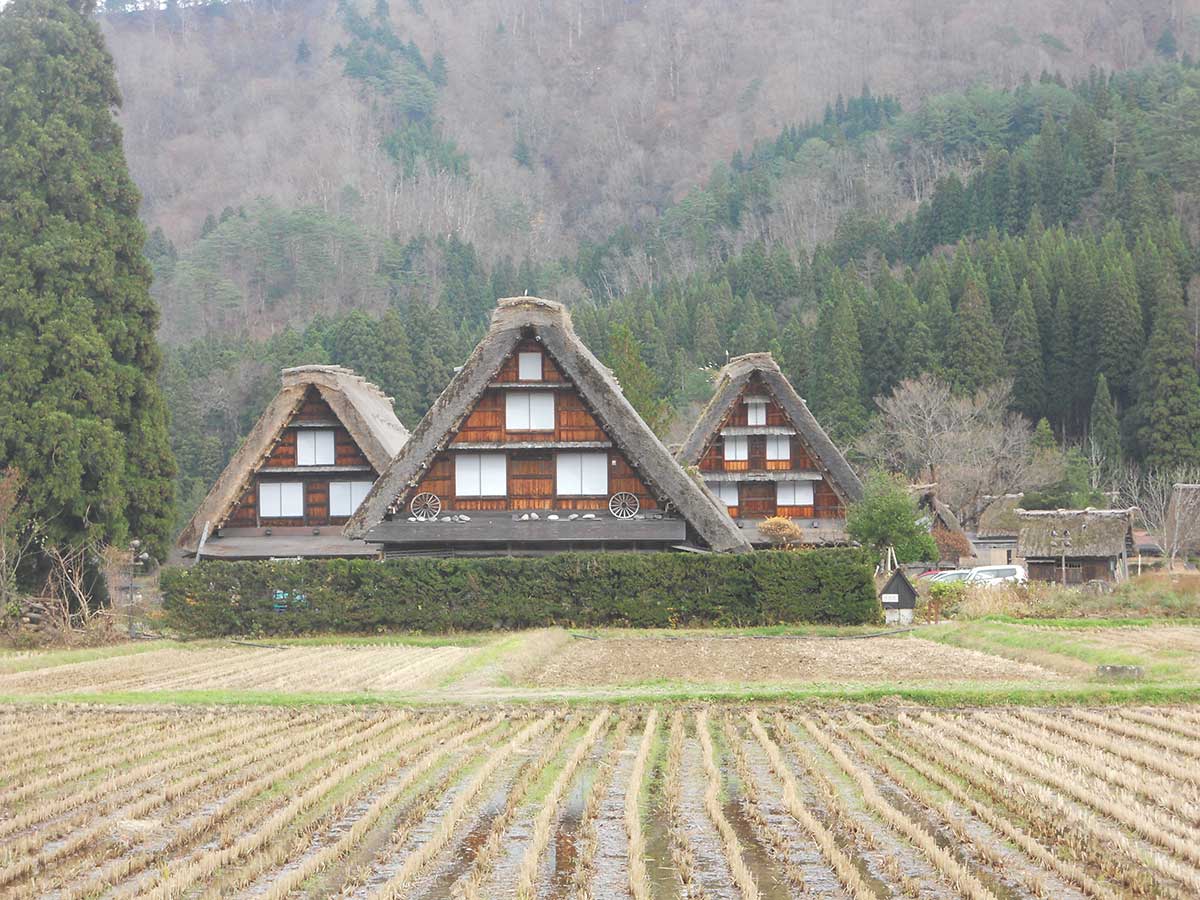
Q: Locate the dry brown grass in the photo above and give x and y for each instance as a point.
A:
(380, 802)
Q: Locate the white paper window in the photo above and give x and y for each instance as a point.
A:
(529, 366)
(346, 496)
(582, 474)
(737, 448)
(779, 446)
(793, 493)
(480, 475)
(281, 500)
(726, 491)
(314, 447)
(756, 412)
(529, 411)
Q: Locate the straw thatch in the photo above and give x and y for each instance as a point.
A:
(364, 410)
(999, 518)
(1074, 533)
(731, 380)
(514, 319)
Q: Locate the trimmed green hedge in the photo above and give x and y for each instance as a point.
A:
(570, 589)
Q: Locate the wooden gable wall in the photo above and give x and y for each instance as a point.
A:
(756, 499)
(532, 471)
(312, 412)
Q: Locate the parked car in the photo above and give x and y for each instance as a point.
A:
(988, 575)
(951, 576)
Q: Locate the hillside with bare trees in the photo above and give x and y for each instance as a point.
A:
(577, 117)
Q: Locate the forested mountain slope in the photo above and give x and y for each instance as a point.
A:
(611, 108)
(872, 196)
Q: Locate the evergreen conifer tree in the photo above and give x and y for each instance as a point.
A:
(836, 385)
(1119, 327)
(1024, 349)
(81, 414)
(638, 381)
(706, 341)
(1168, 410)
(975, 356)
(1103, 429)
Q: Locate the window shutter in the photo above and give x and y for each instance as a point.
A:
(594, 474)
(466, 475)
(306, 448)
(779, 446)
(268, 500)
(570, 474)
(493, 475)
(541, 411)
(341, 498)
(291, 500)
(529, 366)
(756, 412)
(737, 448)
(516, 411)
(324, 447)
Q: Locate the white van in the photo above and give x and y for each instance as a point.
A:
(997, 575)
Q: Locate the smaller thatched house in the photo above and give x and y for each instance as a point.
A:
(954, 546)
(306, 465)
(995, 539)
(1074, 546)
(763, 454)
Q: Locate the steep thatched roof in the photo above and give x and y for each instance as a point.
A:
(999, 517)
(364, 410)
(1074, 533)
(549, 321)
(731, 380)
(943, 519)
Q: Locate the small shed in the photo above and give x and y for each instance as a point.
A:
(899, 599)
(1074, 546)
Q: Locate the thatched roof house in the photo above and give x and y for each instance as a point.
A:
(995, 538)
(761, 451)
(1073, 546)
(954, 546)
(305, 465)
(533, 448)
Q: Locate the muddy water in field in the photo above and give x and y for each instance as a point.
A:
(712, 869)
(881, 856)
(455, 861)
(558, 869)
(612, 845)
(660, 868)
(802, 852)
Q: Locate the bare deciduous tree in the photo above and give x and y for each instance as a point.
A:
(1169, 503)
(971, 446)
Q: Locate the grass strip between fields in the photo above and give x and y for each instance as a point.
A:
(946, 695)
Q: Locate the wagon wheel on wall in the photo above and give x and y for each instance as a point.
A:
(624, 505)
(425, 506)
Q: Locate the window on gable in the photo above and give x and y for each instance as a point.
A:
(314, 447)
(779, 446)
(529, 366)
(756, 412)
(737, 447)
(529, 411)
(480, 475)
(346, 496)
(280, 500)
(793, 493)
(726, 491)
(582, 474)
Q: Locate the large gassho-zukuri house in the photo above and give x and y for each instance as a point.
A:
(763, 454)
(300, 474)
(532, 448)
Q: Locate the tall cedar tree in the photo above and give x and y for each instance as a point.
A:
(836, 386)
(1119, 339)
(975, 357)
(81, 414)
(638, 382)
(1024, 348)
(1103, 428)
(1168, 412)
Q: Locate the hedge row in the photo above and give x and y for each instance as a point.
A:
(570, 589)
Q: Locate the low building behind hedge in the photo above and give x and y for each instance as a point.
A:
(618, 589)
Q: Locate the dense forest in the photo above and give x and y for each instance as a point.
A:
(1054, 253)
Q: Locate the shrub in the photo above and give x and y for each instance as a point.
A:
(569, 589)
